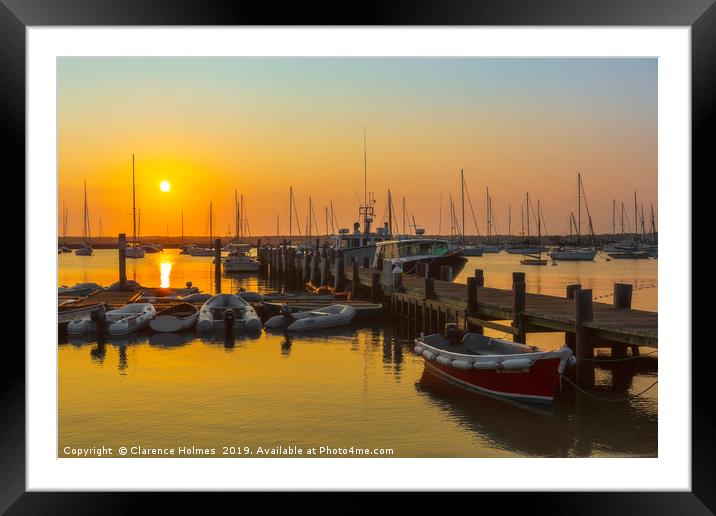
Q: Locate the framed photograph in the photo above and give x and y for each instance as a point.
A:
(302, 252)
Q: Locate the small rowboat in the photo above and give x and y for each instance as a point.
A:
(328, 317)
(226, 312)
(494, 366)
(175, 318)
(122, 321)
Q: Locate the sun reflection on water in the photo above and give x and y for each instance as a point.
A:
(165, 271)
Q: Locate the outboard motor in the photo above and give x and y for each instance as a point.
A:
(189, 284)
(229, 319)
(286, 311)
(99, 317)
(452, 333)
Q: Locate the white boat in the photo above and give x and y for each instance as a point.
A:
(327, 317)
(491, 248)
(228, 310)
(201, 251)
(175, 318)
(153, 248)
(522, 250)
(239, 260)
(573, 254)
(134, 250)
(79, 290)
(472, 250)
(122, 321)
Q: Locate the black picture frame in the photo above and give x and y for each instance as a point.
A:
(700, 15)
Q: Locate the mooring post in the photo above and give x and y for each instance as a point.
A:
(324, 267)
(472, 305)
(387, 276)
(622, 300)
(375, 291)
(569, 336)
(217, 265)
(338, 273)
(366, 262)
(122, 244)
(480, 277)
(398, 281)
(430, 288)
(314, 268)
(355, 281)
(584, 313)
(446, 273)
(519, 291)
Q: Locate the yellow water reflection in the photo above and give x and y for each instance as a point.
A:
(165, 272)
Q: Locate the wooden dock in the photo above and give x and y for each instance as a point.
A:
(426, 304)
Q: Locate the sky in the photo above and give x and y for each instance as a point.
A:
(213, 126)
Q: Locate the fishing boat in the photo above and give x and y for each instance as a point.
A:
(86, 248)
(327, 317)
(495, 367)
(433, 252)
(122, 321)
(134, 248)
(177, 317)
(227, 311)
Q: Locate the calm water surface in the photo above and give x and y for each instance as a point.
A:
(360, 386)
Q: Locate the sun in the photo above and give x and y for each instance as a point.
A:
(164, 186)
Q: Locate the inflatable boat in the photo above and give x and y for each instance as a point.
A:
(122, 321)
(228, 311)
(327, 317)
(175, 318)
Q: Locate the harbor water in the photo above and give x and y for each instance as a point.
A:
(357, 388)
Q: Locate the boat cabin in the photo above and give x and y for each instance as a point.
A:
(410, 250)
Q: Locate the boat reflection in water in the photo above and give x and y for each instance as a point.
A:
(574, 426)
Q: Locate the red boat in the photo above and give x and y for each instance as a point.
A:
(495, 367)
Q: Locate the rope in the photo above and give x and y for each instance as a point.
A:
(612, 293)
(633, 357)
(562, 377)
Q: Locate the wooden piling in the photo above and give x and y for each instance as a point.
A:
(324, 267)
(472, 305)
(569, 339)
(479, 278)
(366, 262)
(314, 267)
(584, 313)
(398, 282)
(622, 299)
(122, 260)
(217, 265)
(430, 288)
(519, 293)
(376, 293)
(338, 272)
(355, 281)
(446, 273)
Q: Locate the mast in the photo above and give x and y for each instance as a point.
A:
(509, 221)
(310, 211)
(139, 223)
(326, 220)
(527, 196)
(440, 216)
(404, 213)
(211, 229)
(290, 211)
(614, 219)
(487, 207)
(84, 217)
(462, 202)
(522, 221)
(100, 222)
(390, 213)
(636, 231)
(622, 220)
(365, 179)
(653, 224)
(579, 206)
(539, 230)
(134, 205)
(182, 226)
(237, 215)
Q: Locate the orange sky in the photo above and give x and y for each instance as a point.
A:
(210, 126)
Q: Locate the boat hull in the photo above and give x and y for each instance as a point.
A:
(584, 256)
(522, 250)
(453, 260)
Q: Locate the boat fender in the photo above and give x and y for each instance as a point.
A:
(462, 364)
(443, 360)
(517, 363)
(486, 364)
(229, 319)
(253, 325)
(419, 349)
(429, 355)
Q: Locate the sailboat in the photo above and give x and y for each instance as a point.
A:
(134, 248)
(536, 260)
(524, 246)
(63, 248)
(86, 249)
(206, 251)
(490, 247)
(577, 253)
(468, 250)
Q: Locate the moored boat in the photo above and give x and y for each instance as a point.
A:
(228, 311)
(79, 290)
(364, 309)
(122, 321)
(327, 317)
(177, 317)
(584, 254)
(494, 366)
(407, 254)
(630, 255)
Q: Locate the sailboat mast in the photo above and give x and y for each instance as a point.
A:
(290, 211)
(614, 219)
(527, 196)
(509, 221)
(390, 213)
(237, 215)
(211, 229)
(636, 231)
(310, 211)
(522, 221)
(404, 232)
(365, 178)
(440, 215)
(462, 202)
(622, 220)
(579, 206)
(134, 205)
(84, 216)
(182, 226)
(539, 230)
